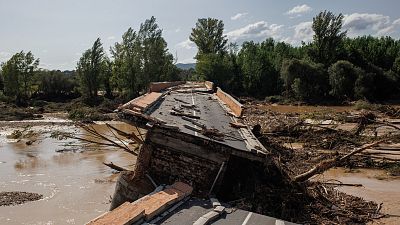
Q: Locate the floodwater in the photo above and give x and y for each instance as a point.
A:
(377, 186)
(75, 184)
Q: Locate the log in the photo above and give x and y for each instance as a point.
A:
(327, 164)
(343, 184)
(115, 167)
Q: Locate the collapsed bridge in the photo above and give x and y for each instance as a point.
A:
(194, 137)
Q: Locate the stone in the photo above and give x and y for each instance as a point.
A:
(219, 209)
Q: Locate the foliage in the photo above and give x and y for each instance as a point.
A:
(342, 77)
(89, 69)
(18, 73)
(304, 80)
(327, 37)
(260, 77)
(55, 83)
(364, 87)
(1, 82)
(208, 36)
(142, 57)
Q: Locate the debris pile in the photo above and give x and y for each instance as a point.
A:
(308, 144)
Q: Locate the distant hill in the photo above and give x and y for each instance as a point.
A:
(186, 66)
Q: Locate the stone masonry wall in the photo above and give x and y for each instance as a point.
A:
(167, 166)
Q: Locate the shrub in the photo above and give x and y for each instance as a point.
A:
(342, 76)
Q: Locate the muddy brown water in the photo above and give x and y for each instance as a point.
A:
(76, 185)
(377, 186)
(305, 108)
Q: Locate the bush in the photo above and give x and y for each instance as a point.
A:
(362, 104)
(56, 83)
(342, 77)
(305, 80)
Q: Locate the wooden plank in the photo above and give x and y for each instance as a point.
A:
(124, 214)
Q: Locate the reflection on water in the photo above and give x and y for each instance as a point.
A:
(76, 185)
(378, 186)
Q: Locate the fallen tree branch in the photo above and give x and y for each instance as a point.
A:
(131, 136)
(115, 167)
(327, 164)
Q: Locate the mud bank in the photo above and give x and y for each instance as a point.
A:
(16, 197)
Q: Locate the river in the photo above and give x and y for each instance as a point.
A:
(76, 186)
(377, 186)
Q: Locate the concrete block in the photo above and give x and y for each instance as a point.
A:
(215, 202)
(201, 221)
(219, 209)
(211, 216)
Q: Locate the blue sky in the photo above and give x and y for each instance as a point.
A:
(59, 31)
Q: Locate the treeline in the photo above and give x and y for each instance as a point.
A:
(333, 67)
(140, 58)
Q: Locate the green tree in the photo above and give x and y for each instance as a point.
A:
(142, 57)
(396, 65)
(342, 77)
(157, 61)
(260, 78)
(304, 80)
(1, 81)
(55, 83)
(364, 87)
(328, 38)
(127, 64)
(18, 74)
(89, 69)
(211, 44)
(208, 36)
(107, 75)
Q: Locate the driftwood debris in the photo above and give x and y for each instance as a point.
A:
(327, 164)
(115, 167)
(131, 136)
(95, 137)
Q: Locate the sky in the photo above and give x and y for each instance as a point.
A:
(58, 32)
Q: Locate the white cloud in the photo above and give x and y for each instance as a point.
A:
(369, 23)
(111, 38)
(298, 10)
(4, 56)
(239, 16)
(187, 44)
(397, 22)
(363, 21)
(302, 33)
(255, 31)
